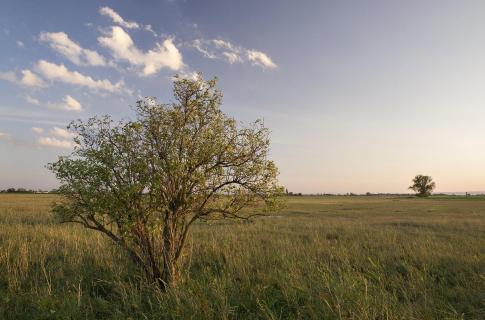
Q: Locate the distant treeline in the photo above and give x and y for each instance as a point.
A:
(296, 194)
(24, 190)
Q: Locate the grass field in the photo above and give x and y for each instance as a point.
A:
(322, 258)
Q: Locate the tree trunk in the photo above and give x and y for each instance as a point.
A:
(169, 274)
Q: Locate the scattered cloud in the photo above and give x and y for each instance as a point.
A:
(222, 49)
(38, 130)
(60, 42)
(117, 19)
(232, 57)
(200, 46)
(58, 138)
(32, 100)
(191, 75)
(59, 72)
(61, 133)
(261, 59)
(122, 47)
(27, 79)
(67, 104)
(107, 11)
(55, 143)
(20, 44)
(149, 28)
(224, 44)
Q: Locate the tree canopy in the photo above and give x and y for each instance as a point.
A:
(144, 182)
(423, 185)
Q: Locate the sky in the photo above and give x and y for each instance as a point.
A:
(359, 96)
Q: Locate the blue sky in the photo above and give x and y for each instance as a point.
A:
(359, 95)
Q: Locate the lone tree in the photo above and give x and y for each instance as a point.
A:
(423, 185)
(143, 183)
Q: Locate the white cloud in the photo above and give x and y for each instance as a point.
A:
(59, 138)
(67, 104)
(149, 28)
(199, 45)
(20, 44)
(107, 11)
(60, 42)
(60, 73)
(28, 78)
(224, 44)
(164, 55)
(37, 130)
(54, 142)
(232, 57)
(261, 59)
(32, 100)
(61, 133)
(222, 49)
(191, 75)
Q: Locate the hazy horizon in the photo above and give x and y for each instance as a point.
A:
(359, 96)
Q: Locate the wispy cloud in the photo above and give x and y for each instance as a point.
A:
(55, 143)
(222, 49)
(107, 11)
(261, 59)
(67, 104)
(27, 79)
(232, 57)
(122, 47)
(201, 46)
(38, 130)
(32, 100)
(61, 133)
(59, 72)
(58, 138)
(117, 19)
(60, 42)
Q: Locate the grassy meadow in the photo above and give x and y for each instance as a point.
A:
(321, 258)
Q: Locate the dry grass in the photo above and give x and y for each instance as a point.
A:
(322, 258)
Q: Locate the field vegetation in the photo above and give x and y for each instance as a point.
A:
(320, 258)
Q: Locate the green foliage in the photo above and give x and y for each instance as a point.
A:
(423, 185)
(321, 258)
(143, 183)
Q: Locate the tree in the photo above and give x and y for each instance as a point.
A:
(143, 183)
(423, 185)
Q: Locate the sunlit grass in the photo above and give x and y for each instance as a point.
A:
(322, 258)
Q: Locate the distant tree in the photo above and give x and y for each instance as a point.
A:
(423, 185)
(143, 183)
(11, 190)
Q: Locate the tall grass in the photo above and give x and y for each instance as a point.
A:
(322, 258)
